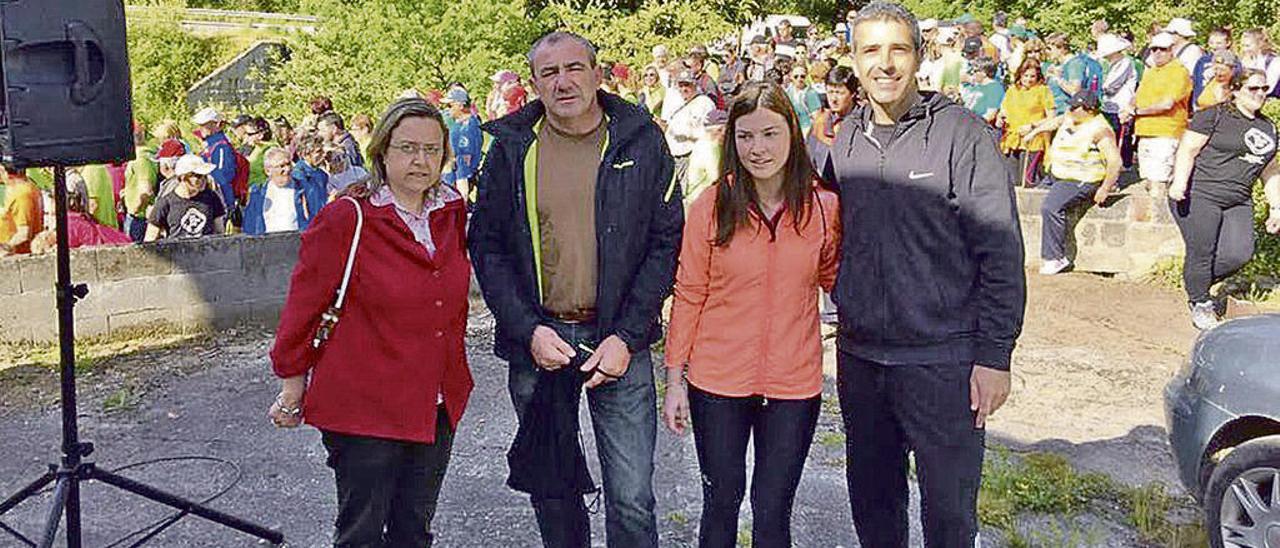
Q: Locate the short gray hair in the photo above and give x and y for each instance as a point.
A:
(557, 36)
(880, 10)
(276, 153)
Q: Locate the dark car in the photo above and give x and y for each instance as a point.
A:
(1223, 410)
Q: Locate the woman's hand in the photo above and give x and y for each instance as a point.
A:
(1178, 192)
(1273, 221)
(675, 406)
(286, 410)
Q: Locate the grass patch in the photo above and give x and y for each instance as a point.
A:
(831, 439)
(1045, 483)
(124, 398)
(91, 351)
(1166, 273)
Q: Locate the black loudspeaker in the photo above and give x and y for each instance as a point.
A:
(65, 75)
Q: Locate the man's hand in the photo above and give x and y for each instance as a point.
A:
(1100, 196)
(1178, 192)
(610, 362)
(549, 351)
(988, 388)
(1273, 222)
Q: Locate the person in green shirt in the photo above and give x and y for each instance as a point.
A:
(102, 198)
(139, 185)
(257, 139)
(983, 94)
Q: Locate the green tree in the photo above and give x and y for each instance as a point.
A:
(164, 61)
(369, 51)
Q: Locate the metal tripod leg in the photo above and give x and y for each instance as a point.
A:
(60, 493)
(190, 506)
(28, 491)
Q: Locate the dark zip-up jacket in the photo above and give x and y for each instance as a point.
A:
(932, 259)
(639, 221)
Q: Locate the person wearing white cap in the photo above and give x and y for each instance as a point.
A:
(217, 151)
(1161, 108)
(1118, 86)
(1187, 52)
(192, 210)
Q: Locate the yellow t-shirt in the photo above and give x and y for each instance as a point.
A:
(1213, 93)
(1024, 106)
(1161, 84)
(22, 207)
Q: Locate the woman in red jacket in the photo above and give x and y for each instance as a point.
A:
(389, 385)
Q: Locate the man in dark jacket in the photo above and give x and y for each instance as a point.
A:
(574, 241)
(931, 290)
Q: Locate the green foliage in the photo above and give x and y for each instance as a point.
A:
(164, 61)
(1075, 16)
(277, 6)
(629, 38)
(1038, 482)
(368, 52)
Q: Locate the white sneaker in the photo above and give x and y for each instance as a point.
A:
(1204, 316)
(1055, 266)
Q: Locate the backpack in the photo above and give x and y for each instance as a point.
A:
(1093, 75)
(240, 183)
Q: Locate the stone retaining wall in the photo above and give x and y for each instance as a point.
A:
(214, 282)
(1128, 237)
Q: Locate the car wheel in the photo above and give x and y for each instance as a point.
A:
(1242, 502)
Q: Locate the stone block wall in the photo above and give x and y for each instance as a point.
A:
(210, 282)
(1129, 236)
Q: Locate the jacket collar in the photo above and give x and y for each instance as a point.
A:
(214, 138)
(624, 120)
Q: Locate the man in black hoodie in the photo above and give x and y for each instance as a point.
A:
(931, 290)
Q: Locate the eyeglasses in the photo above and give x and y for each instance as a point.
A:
(1157, 48)
(1257, 89)
(415, 149)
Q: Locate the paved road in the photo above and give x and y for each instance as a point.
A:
(212, 400)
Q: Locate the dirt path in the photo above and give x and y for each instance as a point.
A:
(1090, 371)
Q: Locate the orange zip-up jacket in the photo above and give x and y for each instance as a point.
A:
(745, 317)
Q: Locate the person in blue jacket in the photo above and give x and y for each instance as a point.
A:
(307, 174)
(279, 204)
(217, 151)
(465, 139)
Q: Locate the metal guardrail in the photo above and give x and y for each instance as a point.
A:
(201, 20)
(233, 14)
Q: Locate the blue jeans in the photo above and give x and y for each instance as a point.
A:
(135, 227)
(1053, 214)
(624, 416)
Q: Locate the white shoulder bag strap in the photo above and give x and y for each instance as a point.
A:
(329, 319)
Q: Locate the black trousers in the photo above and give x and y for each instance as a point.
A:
(1219, 242)
(890, 410)
(387, 489)
(783, 432)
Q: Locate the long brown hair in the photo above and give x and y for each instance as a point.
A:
(736, 194)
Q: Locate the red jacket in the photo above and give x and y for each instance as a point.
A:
(400, 341)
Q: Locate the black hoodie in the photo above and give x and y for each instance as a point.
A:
(932, 259)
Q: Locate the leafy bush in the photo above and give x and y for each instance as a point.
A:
(165, 60)
(368, 51)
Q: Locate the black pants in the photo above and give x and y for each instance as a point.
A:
(1053, 214)
(1219, 242)
(1124, 137)
(890, 410)
(387, 489)
(783, 431)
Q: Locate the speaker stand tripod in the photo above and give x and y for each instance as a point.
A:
(74, 468)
